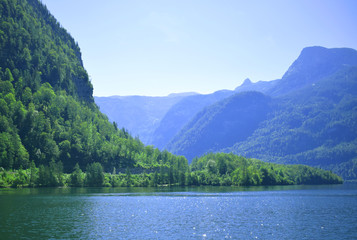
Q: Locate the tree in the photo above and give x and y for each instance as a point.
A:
(94, 175)
(33, 174)
(128, 177)
(77, 176)
(181, 178)
(8, 75)
(211, 166)
(221, 165)
(155, 179)
(43, 176)
(56, 173)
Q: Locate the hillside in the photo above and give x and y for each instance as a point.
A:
(312, 65)
(313, 123)
(181, 113)
(229, 121)
(314, 126)
(47, 112)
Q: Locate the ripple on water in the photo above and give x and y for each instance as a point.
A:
(321, 213)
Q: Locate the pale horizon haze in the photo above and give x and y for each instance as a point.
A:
(155, 48)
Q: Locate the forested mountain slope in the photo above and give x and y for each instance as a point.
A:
(315, 126)
(314, 123)
(184, 111)
(47, 112)
(181, 113)
(312, 65)
(222, 124)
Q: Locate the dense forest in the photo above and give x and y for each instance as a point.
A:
(47, 112)
(53, 134)
(218, 169)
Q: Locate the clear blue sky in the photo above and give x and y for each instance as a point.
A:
(132, 47)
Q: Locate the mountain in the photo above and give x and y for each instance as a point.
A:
(142, 114)
(47, 114)
(181, 113)
(48, 119)
(309, 117)
(222, 124)
(312, 65)
(261, 86)
(315, 125)
(156, 120)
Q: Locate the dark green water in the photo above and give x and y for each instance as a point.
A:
(289, 212)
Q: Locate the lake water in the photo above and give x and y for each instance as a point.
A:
(285, 212)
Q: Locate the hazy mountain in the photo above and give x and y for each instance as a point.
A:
(316, 126)
(311, 118)
(140, 115)
(313, 64)
(181, 113)
(222, 124)
(261, 86)
(156, 120)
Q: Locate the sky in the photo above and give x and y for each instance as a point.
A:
(158, 47)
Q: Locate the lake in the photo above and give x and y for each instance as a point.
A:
(281, 212)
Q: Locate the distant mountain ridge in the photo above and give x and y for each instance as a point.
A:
(261, 86)
(311, 118)
(181, 113)
(222, 124)
(139, 114)
(304, 116)
(156, 120)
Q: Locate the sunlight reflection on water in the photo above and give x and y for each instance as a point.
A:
(317, 212)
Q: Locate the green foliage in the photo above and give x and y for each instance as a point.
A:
(36, 48)
(48, 119)
(51, 176)
(346, 169)
(77, 177)
(47, 111)
(95, 175)
(241, 171)
(33, 174)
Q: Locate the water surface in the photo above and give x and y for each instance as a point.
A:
(285, 212)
